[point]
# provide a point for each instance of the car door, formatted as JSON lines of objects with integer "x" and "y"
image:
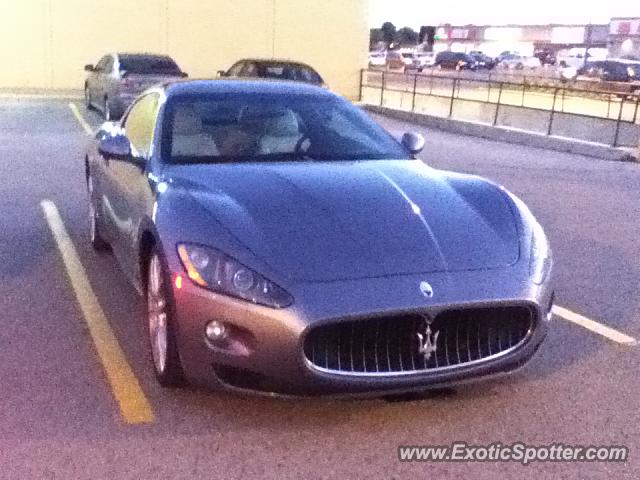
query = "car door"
{"x": 131, "y": 191}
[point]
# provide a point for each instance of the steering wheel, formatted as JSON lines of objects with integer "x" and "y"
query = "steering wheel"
{"x": 300, "y": 148}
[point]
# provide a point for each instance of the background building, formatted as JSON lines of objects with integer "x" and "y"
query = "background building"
{"x": 46, "y": 43}
{"x": 624, "y": 37}
{"x": 525, "y": 39}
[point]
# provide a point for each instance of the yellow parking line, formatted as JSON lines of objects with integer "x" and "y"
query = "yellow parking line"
{"x": 134, "y": 405}
{"x": 81, "y": 120}
{"x": 595, "y": 327}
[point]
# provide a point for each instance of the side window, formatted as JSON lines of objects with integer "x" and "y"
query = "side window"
{"x": 140, "y": 123}
{"x": 236, "y": 69}
{"x": 108, "y": 65}
{"x": 345, "y": 128}
{"x": 250, "y": 70}
{"x": 101, "y": 64}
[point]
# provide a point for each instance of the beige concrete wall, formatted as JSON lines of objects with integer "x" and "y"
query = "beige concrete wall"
{"x": 45, "y": 43}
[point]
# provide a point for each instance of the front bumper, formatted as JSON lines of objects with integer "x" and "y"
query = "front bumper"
{"x": 274, "y": 361}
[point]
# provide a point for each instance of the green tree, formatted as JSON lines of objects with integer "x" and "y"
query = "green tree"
{"x": 388, "y": 32}
{"x": 406, "y": 37}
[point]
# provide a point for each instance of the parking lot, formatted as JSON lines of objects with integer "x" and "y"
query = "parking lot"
{"x": 60, "y": 418}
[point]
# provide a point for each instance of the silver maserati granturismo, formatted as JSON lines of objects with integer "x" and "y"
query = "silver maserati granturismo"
{"x": 285, "y": 243}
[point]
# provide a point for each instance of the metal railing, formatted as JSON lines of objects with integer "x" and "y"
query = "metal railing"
{"x": 593, "y": 114}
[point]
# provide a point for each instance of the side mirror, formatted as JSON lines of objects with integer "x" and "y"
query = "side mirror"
{"x": 89, "y": 67}
{"x": 414, "y": 142}
{"x": 184, "y": 74}
{"x": 115, "y": 145}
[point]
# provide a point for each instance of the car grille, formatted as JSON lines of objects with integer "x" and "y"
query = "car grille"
{"x": 391, "y": 345}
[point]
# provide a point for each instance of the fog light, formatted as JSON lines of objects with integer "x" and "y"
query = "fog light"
{"x": 216, "y": 331}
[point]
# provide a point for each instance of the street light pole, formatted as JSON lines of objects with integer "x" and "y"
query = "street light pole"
{"x": 588, "y": 45}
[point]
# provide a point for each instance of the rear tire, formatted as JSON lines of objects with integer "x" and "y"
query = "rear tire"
{"x": 97, "y": 242}
{"x": 161, "y": 329}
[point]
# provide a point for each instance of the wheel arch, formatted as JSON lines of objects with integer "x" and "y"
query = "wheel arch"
{"x": 145, "y": 247}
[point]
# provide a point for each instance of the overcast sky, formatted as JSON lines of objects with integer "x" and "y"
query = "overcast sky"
{"x": 414, "y": 13}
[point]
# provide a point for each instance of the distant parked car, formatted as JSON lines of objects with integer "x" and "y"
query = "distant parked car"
{"x": 611, "y": 70}
{"x": 273, "y": 69}
{"x": 519, "y": 62}
{"x": 422, "y": 60}
{"x": 505, "y": 54}
{"x": 118, "y": 78}
{"x": 455, "y": 61}
{"x": 395, "y": 61}
{"x": 482, "y": 60}
{"x": 577, "y": 57}
{"x": 377, "y": 59}
{"x": 546, "y": 56}
{"x": 407, "y": 58}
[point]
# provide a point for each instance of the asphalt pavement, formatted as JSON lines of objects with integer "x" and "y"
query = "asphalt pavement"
{"x": 59, "y": 418}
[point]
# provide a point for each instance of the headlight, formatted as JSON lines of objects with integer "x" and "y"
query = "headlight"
{"x": 214, "y": 270}
{"x": 631, "y": 72}
{"x": 540, "y": 260}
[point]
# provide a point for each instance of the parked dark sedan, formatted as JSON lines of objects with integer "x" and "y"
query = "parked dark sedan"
{"x": 118, "y": 78}
{"x": 610, "y": 70}
{"x": 285, "y": 243}
{"x": 273, "y": 70}
{"x": 482, "y": 61}
{"x": 455, "y": 61}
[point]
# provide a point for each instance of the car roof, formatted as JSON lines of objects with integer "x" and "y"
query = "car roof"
{"x": 141, "y": 55}
{"x": 243, "y": 86}
{"x": 274, "y": 61}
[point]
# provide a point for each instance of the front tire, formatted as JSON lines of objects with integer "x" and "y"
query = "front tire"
{"x": 87, "y": 97}
{"x": 107, "y": 109}
{"x": 160, "y": 325}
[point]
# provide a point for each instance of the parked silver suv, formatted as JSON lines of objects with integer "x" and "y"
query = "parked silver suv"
{"x": 118, "y": 78}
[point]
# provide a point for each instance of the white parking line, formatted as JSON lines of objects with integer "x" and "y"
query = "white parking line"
{"x": 80, "y": 118}
{"x": 595, "y": 327}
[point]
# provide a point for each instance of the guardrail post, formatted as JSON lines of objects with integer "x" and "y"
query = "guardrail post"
{"x": 635, "y": 111}
{"x": 382, "y": 91}
{"x": 453, "y": 93}
{"x": 495, "y": 117}
{"x": 361, "y": 84}
{"x": 553, "y": 112}
{"x": 524, "y": 86}
{"x": 413, "y": 98}
{"x": 617, "y": 134}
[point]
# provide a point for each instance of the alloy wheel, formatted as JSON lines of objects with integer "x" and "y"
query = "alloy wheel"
{"x": 157, "y": 315}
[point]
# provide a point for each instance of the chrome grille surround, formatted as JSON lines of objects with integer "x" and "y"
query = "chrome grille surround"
{"x": 390, "y": 346}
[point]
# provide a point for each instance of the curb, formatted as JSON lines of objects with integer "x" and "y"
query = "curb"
{"x": 510, "y": 135}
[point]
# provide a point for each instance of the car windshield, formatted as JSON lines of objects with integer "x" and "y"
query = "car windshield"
{"x": 290, "y": 71}
{"x": 148, "y": 64}
{"x": 272, "y": 127}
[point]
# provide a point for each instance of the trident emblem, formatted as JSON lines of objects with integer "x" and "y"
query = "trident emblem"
{"x": 427, "y": 343}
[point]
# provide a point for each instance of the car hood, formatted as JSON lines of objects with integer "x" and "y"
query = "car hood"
{"x": 350, "y": 220}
